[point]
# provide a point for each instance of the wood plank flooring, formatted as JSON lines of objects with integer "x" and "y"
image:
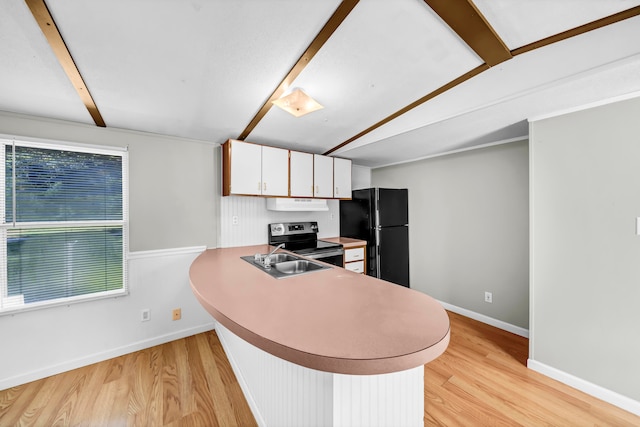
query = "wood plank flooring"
{"x": 481, "y": 380}
{"x": 187, "y": 382}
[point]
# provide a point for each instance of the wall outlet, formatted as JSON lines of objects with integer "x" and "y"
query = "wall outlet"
{"x": 145, "y": 315}
{"x": 488, "y": 297}
{"x": 176, "y": 314}
{"x": 235, "y": 220}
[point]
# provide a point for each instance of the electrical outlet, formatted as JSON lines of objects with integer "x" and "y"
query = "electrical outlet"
{"x": 177, "y": 314}
{"x": 235, "y": 220}
{"x": 145, "y": 315}
{"x": 488, "y": 297}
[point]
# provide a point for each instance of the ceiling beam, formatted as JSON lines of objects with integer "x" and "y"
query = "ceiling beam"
{"x": 463, "y": 78}
{"x": 332, "y": 24}
{"x": 44, "y": 19}
{"x": 594, "y": 25}
{"x": 490, "y": 49}
{"x": 465, "y": 19}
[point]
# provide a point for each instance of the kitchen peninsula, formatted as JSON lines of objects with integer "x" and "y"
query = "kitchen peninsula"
{"x": 329, "y": 347}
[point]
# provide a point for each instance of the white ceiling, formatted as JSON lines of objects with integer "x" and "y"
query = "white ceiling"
{"x": 202, "y": 69}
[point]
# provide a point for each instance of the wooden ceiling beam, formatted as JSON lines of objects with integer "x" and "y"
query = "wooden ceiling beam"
{"x": 463, "y": 78}
{"x": 492, "y": 53}
{"x": 465, "y": 19}
{"x": 594, "y": 25}
{"x": 471, "y": 26}
{"x": 332, "y": 24}
{"x": 43, "y": 17}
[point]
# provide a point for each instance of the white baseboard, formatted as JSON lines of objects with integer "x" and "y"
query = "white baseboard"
{"x": 486, "y": 319}
{"x": 594, "y": 390}
{"x": 102, "y": 356}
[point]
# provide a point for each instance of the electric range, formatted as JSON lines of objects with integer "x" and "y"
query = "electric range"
{"x": 302, "y": 238}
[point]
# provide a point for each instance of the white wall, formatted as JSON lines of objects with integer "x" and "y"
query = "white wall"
{"x": 173, "y": 207}
{"x": 360, "y": 177}
{"x": 585, "y": 253}
{"x": 172, "y": 181}
{"x": 468, "y": 230}
{"x": 40, "y": 343}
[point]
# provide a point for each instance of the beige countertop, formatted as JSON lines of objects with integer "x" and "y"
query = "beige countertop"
{"x": 331, "y": 320}
{"x": 346, "y": 242}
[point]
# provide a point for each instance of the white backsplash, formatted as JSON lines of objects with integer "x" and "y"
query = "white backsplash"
{"x": 253, "y": 218}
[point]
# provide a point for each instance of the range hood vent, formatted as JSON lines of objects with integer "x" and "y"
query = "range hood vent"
{"x": 296, "y": 205}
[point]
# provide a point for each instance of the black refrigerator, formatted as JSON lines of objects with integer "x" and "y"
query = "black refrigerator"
{"x": 381, "y": 217}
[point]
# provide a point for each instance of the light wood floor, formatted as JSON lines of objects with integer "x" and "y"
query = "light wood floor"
{"x": 481, "y": 380}
{"x": 187, "y": 382}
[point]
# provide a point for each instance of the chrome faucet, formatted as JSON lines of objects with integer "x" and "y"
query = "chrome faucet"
{"x": 267, "y": 259}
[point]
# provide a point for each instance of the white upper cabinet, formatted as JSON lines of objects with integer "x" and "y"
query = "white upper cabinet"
{"x": 242, "y": 165}
{"x": 252, "y": 169}
{"x": 322, "y": 176}
{"x": 341, "y": 178}
{"x": 301, "y": 173}
{"x": 275, "y": 172}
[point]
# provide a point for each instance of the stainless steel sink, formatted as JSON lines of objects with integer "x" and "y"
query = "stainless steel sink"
{"x": 276, "y": 258}
{"x": 284, "y": 265}
{"x": 298, "y": 266}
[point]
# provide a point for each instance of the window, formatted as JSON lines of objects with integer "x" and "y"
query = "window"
{"x": 63, "y": 228}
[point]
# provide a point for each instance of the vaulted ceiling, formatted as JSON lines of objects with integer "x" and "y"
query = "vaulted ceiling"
{"x": 399, "y": 80}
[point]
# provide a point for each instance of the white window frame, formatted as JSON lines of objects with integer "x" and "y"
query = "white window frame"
{"x": 122, "y": 152}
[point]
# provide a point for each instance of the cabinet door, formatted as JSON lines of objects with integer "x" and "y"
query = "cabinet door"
{"x": 322, "y": 176}
{"x": 245, "y": 168}
{"x": 301, "y": 178}
{"x": 275, "y": 172}
{"x": 341, "y": 178}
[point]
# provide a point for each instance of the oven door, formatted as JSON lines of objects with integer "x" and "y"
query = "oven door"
{"x": 334, "y": 257}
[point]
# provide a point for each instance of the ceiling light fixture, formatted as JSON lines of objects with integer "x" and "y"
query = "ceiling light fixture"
{"x": 297, "y": 103}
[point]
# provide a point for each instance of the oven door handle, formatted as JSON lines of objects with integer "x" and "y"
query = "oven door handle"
{"x": 325, "y": 254}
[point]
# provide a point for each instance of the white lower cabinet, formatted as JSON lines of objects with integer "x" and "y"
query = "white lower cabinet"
{"x": 356, "y": 267}
{"x": 354, "y": 259}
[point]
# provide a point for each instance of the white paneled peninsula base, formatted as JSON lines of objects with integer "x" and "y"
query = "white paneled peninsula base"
{"x": 327, "y": 348}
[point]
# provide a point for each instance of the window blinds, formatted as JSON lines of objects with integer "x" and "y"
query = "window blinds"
{"x": 63, "y": 236}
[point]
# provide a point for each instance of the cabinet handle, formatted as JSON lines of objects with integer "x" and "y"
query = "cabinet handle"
{"x": 259, "y": 185}
{"x": 264, "y": 186}
{"x": 317, "y": 189}
{"x": 336, "y": 190}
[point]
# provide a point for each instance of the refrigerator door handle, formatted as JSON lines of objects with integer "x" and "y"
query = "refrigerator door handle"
{"x": 377, "y": 251}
